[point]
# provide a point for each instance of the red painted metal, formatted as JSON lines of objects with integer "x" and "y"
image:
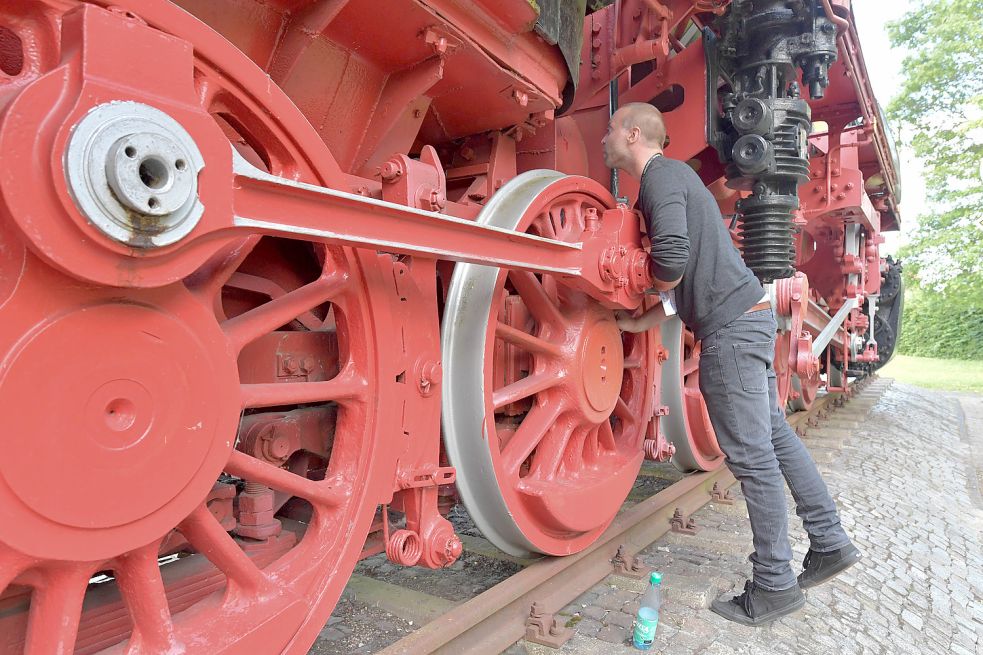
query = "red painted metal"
{"x": 566, "y": 464}
{"x": 150, "y": 382}
{"x": 244, "y": 400}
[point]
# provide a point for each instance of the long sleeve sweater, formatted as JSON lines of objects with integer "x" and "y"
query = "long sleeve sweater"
{"x": 690, "y": 241}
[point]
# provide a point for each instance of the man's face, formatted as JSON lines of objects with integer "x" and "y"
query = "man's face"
{"x": 615, "y": 142}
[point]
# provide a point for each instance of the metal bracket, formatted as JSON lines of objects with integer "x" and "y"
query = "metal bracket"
{"x": 683, "y": 524}
{"x": 544, "y": 628}
{"x": 628, "y": 566}
{"x": 721, "y": 496}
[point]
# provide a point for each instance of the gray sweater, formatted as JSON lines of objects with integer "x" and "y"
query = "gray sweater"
{"x": 690, "y": 241}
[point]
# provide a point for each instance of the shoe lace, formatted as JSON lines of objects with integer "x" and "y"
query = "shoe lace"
{"x": 744, "y": 600}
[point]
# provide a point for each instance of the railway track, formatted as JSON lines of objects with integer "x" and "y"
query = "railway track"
{"x": 496, "y": 618}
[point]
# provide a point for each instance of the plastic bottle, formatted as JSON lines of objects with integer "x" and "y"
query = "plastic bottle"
{"x": 647, "y": 619}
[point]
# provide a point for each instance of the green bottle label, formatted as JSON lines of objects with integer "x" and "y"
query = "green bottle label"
{"x": 645, "y": 628}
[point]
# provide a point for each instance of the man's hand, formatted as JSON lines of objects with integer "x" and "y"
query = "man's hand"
{"x": 627, "y": 322}
{"x": 647, "y": 321}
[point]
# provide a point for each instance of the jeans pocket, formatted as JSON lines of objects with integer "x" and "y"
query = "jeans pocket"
{"x": 753, "y": 360}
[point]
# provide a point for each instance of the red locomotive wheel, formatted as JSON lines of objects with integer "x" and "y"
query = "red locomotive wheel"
{"x": 783, "y": 371}
{"x": 126, "y": 410}
{"x": 803, "y": 392}
{"x": 540, "y": 386}
{"x": 687, "y": 425}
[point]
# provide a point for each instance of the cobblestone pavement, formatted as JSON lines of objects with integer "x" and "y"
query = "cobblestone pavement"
{"x": 905, "y": 466}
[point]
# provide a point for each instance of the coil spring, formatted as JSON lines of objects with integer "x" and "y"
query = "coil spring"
{"x": 404, "y": 547}
{"x": 766, "y": 235}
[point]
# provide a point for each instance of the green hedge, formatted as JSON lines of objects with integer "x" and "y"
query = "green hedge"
{"x": 935, "y": 326}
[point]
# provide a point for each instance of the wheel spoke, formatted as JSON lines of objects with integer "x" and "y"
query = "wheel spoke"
{"x": 262, "y": 320}
{"x": 524, "y": 388}
{"x": 691, "y": 365}
{"x": 623, "y": 412}
{"x": 272, "y": 290}
{"x": 605, "y": 437}
{"x": 205, "y": 533}
{"x": 551, "y": 449}
{"x": 12, "y": 564}
{"x": 634, "y": 361}
{"x": 207, "y": 282}
{"x": 56, "y": 608}
{"x": 528, "y": 342}
{"x": 545, "y": 224}
{"x": 140, "y": 584}
{"x": 534, "y": 427}
{"x": 343, "y": 387}
{"x": 576, "y": 453}
{"x": 320, "y": 493}
{"x": 537, "y": 301}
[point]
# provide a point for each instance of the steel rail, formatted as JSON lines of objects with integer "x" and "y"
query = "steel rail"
{"x": 495, "y": 619}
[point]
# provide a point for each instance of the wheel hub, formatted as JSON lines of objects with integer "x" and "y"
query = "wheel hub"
{"x": 117, "y": 401}
{"x": 601, "y": 367}
{"x": 133, "y": 172}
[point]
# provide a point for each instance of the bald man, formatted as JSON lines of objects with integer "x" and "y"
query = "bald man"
{"x": 720, "y": 299}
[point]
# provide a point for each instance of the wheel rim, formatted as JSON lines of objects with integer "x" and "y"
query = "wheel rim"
{"x": 160, "y": 404}
{"x": 564, "y": 442}
{"x": 783, "y": 372}
{"x": 803, "y": 393}
{"x": 687, "y": 425}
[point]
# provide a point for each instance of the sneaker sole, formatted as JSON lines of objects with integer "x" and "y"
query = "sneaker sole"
{"x": 841, "y": 566}
{"x": 764, "y": 618}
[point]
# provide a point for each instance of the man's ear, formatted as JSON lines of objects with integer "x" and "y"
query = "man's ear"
{"x": 634, "y": 134}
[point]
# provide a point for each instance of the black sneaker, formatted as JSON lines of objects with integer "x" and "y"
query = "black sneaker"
{"x": 820, "y": 567}
{"x": 758, "y": 606}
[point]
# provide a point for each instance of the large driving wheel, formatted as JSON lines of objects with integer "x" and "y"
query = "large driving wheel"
{"x": 545, "y": 401}
{"x": 127, "y": 408}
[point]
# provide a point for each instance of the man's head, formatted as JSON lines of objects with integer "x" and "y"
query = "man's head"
{"x": 635, "y": 133}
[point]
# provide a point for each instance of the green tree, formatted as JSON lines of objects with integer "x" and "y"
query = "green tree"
{"x": 939, "y": 113}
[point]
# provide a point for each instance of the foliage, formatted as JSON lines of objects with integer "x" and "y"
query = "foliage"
{"x": 937, "y": 325}
{"x": 940, "y": 110}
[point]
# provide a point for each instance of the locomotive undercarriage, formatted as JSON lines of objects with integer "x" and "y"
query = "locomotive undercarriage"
{"x": 251, "y": 273}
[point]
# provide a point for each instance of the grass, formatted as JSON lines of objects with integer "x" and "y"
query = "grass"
{"x": 948, "y": 374}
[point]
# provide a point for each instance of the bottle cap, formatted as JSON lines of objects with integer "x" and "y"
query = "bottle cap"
{"x": 655, "y": 578}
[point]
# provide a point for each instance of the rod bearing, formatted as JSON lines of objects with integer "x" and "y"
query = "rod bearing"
{"x": 132, "y": 171}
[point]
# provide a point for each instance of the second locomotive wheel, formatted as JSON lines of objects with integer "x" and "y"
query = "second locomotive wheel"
{"x": 545, "y": 401}
{"x": 687, "y": 425}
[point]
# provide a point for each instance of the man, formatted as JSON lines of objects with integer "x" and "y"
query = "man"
{"x": 720, "y": 299}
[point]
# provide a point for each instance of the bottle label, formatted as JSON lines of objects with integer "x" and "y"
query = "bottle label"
{"x": 645, "y": 629}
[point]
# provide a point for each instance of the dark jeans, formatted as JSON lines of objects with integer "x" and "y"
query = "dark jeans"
{"x": 738, "y": 382}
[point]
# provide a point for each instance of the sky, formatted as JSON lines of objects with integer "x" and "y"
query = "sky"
{"x": 884, "y": 68}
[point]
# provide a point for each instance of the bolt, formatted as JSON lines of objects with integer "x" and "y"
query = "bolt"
{"x": 521, "y": 97}
{"x": 391, "y": 170}
{"x": 290, "y": 365}
{"x": 437, "y": 199}
{"x": 307, "y": 364}
{"x": 452, "y": 549}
